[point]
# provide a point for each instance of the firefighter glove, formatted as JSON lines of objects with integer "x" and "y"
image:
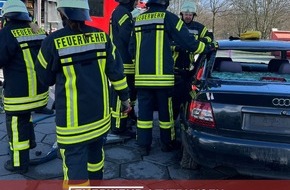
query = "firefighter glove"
{"x": 210, "y": 48}
{"x": 125, "y": 107}
{"x": 204, "y": 40}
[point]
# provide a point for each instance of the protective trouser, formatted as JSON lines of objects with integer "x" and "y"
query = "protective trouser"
{"x": 147, "y": 98}
{"x": 83, "y": 162}
{"x": 119, "y": 121}
{"x": 20, "y": 130}
{"x": 182, "y": 87}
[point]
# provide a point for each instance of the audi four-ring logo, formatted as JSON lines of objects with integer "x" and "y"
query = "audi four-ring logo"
{"x": 281, "y": 102}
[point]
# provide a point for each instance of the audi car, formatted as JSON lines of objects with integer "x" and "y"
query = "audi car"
{"x": 239, "y": 112}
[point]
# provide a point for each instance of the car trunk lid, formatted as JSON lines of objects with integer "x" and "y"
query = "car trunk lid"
{"x": 250, "y": 109}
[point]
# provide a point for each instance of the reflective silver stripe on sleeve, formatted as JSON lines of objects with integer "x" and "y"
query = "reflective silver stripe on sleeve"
{"x": 79, "y": 49}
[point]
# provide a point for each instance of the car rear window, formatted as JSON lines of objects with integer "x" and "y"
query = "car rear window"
{"x": 251, "y": 66}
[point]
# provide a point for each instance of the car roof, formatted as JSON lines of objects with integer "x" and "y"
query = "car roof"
{"x": 254, "y": 45}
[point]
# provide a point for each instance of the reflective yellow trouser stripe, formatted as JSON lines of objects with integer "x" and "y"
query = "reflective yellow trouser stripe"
{"x": 15, "y": 145}
{"x": 65, "y": 184}
{"x": 144, "y": 124}
{"x": 16, "y": 156}
{"x": 97, "y": 166}
{"x": 171, "y": 119}
{"x": 169, "y": 124}
{"x": 64, "y": 167}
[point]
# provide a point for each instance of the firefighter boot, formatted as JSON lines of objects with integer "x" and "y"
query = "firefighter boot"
{"x": 23, "y": 159}
{"x": 144, "y": 150}
{"x": 20, "y": 170}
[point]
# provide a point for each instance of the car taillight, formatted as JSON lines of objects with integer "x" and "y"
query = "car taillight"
{"x": 200, "y": 113}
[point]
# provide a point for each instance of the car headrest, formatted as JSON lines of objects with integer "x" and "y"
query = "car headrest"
{"x": 274, "y": 64}
{"x": 229, "y": 66}
{"x": 218, "y": 61}
{"x": 284, "y": 68}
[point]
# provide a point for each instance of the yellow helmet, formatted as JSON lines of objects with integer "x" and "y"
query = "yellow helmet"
{"x": 15, "y": 10}
{"x": 77, "y": 10}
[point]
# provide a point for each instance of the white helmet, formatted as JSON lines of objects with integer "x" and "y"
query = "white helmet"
{"x": 77, "y": 10}
{"x": 15, "y": 10}
{"x": 188, "y": 7}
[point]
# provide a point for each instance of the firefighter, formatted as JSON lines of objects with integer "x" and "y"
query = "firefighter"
{"x": 187, "y": 13}
{"x": 121, "y": 25}
{"x": 184, "y": 60}
{"x": 23, "y": 93}
{"x": 34, "y": 26}
{"x": 154, "y": 78}
{"x": 31, "y": 23}
{"x": 80, "y": 61}
{"x": 139, "y": 8}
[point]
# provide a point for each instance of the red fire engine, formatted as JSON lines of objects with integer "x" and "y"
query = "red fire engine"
{"x": 100, "y": 11}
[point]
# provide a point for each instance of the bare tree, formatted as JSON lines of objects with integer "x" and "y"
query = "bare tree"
{"x": 232, "y": 17}
{"x": 261, "y": 15}
{"x": 216, "y": 7}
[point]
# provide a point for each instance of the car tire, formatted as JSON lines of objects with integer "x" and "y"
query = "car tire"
{"x": 187, "y": 162}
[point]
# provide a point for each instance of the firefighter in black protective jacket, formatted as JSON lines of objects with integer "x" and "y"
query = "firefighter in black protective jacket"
{"x": 150, "y": 45}
{"x": 23, "y": 93}
{"x": 80, "y": 60}
{"x": 121, "y": 26}
{"x": 34, "y": 26}
{"x": 184, "y": 60}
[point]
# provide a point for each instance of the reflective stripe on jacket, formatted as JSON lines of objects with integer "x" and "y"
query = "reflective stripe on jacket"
{"x": 199, "y": 31}
{"x": 151, "y": 46}
{"x": 121, "y": 26}
{"x": 81, "y": 64}
{"x": 184, "y": 59}
{"x": 19, "y": 48}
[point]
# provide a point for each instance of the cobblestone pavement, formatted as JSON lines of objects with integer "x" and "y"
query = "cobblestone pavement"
{"x": 122, "y": 159}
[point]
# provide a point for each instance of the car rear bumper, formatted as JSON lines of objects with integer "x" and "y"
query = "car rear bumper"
{"x": 248, "y": 157}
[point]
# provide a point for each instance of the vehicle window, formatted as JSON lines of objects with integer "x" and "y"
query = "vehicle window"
{"x": 251, "y": 66}
{"x": 246, "y": 56}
